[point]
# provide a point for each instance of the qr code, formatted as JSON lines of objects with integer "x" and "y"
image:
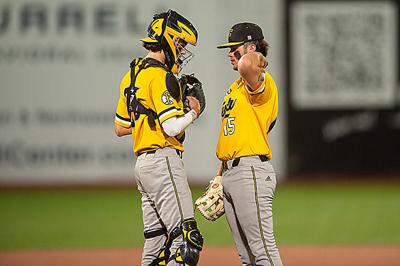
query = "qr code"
{"x": 344, "y": 55}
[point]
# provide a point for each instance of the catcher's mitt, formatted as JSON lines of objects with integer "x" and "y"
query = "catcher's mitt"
{"x": 191, "y": 86}
{"x": 211, "y": 204}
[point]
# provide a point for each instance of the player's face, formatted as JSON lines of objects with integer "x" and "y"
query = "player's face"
{"x": 235, "y": 53}
{"x": 182, "y": 53}
{"x": 180, "y": 45}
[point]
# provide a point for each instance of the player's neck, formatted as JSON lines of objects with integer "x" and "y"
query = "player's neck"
{"x": 159, "y": 56}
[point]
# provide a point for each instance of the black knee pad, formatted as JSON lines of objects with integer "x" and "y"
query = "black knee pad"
{"x": 189, "y": 252}
{"x": 190, "y": 255}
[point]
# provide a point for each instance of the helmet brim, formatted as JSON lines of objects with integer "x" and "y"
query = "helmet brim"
{"x": 229, "y": 44}
{"x": 149, "y": 40}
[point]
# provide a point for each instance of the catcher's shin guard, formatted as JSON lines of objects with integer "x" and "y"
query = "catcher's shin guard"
{"x": 164, "y": 255}
{"x": 189, "y": 252}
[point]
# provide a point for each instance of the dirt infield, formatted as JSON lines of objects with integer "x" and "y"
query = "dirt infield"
{"x": 211, "y": 256}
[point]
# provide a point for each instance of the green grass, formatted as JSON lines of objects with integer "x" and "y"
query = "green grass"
{"x": 57, "y": 219}
{"x": 303, "y": 214}
{"x": 353, "y": 214}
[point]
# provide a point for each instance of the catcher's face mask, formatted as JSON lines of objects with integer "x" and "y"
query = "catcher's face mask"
{"x": 183, "y": 54}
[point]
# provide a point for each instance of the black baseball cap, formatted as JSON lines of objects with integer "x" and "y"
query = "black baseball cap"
{"x": 243, "y": 32}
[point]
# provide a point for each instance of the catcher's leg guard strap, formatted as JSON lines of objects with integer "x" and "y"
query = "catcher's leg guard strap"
{"x": 154, "y": 233}
{"x": 164, "y": 255}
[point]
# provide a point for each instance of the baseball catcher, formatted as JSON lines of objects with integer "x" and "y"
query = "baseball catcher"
{"x": 151, "y": 109}
{"x": 211, "y": 204}
{"x": 191, "y": 86}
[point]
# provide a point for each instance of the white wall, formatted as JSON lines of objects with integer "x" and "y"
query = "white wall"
{"x": 59, "y": 86}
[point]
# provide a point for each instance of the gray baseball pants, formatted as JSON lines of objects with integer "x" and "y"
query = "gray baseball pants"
{"x": 166, "y": 199}
{"x": 249, "y": 189}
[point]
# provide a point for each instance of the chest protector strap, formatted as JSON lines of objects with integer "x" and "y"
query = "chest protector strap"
{"x": 132, "y": 103}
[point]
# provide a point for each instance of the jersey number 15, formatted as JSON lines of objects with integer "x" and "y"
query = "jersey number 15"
{"x": 229, "y": 127}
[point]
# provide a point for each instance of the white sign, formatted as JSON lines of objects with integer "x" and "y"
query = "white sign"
{"x": 61, "y": 62}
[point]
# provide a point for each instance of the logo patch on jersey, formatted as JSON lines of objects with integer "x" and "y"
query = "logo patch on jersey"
{"x": 227, "y": 106}
{"x": 166, "y": 98}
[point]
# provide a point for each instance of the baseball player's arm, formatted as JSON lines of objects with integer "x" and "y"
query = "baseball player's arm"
{"x": 251, "y": 69}
{"x": 176, "y": 125}
{"x": 220, "y": 168}
{"x": 122, "y": 131}
{"x": 122, "y": 120}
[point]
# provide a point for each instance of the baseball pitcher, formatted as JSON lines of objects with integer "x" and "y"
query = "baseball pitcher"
{"x": 248, "y": 114}
{"x": 156, "y": 108}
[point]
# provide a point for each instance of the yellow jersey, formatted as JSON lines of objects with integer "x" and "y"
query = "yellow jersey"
{"x": 247, "y": 118}
{"x": 154, "y": 95}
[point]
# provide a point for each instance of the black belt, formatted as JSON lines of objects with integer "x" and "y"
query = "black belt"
{"x": 180, "y": 153}
{"x": 263, "y": 158}
{"x": 148, "y": 152}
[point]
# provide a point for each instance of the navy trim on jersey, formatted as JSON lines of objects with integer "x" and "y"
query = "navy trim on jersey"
{"x": 271, "y": 126}
{"x": 123, "y": 118}
{"x": 166, "y": 110}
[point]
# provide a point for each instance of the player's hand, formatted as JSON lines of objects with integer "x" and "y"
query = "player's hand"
{"x": 193, "y": 104}
{"x": 253, "y": 60}
{"x": 262, "y": 61}
{"x": 251, "y": 68}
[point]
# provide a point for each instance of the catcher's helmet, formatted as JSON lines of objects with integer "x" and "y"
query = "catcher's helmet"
{"x": 172, "y": 31}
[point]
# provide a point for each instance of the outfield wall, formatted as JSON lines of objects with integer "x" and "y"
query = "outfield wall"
{"x": 60, "y": 67}
{"x": 336, "y": 65}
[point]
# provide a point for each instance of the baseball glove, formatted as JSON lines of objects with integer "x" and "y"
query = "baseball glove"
{"x": 211, "y": 204}
{"x": 191, "y": 86}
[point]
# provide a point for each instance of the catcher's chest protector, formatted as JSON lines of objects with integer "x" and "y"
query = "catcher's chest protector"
{"x": 133, "y": 105}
